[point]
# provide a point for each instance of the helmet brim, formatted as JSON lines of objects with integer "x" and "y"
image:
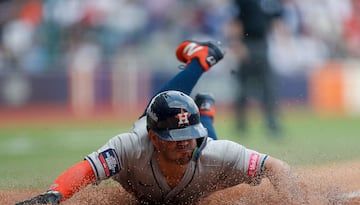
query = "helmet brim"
{"x": 187, "y": 133}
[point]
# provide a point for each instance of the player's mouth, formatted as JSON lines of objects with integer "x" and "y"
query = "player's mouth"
{"x": 184, "y": 149}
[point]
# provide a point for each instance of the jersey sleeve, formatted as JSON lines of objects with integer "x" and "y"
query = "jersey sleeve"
{"x": 244, "y": 163}
{"x": 108, "y": 160}
{"x": 113, "y": 157}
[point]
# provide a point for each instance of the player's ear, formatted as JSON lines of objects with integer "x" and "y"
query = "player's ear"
{"x": 153, "y": 138}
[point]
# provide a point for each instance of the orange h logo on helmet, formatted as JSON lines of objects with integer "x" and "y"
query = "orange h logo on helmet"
{"x": 183, "y": 118}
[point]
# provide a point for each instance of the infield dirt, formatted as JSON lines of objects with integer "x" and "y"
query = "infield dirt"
{"x": 326, "y": 183}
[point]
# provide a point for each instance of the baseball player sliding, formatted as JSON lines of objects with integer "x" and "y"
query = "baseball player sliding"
{"x": 170, "y": 156}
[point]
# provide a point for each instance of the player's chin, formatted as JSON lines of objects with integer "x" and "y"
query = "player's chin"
{"x": 184, "y": 158}
{"x": 183, "y": 161}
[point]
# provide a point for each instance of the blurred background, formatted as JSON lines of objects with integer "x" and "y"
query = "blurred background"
{"x": 74, "y": 73}
{"x": 114, "y": 54}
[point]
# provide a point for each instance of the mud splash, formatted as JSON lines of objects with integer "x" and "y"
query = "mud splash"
{"x": 335, "y": 184}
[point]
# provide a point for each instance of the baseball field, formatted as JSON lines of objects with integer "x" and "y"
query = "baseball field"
{"x": 324, "y": 152}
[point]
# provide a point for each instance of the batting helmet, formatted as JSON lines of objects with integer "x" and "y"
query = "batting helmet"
{"x": 174, "y": 116}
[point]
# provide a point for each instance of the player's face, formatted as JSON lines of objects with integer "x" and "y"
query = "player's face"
{"x": 179, "y": 152}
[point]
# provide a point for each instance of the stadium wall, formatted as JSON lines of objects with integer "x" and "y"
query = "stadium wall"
{"x": 330, "y": 88}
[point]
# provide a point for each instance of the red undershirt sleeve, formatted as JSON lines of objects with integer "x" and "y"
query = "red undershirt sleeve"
{"x": 74, "y": 179}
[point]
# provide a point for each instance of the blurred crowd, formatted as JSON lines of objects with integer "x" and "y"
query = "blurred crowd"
{"x": 55, "y": 35}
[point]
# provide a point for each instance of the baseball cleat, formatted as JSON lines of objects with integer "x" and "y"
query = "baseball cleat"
{"x": 206, "y": 104}
{"x": 208, "y": 53}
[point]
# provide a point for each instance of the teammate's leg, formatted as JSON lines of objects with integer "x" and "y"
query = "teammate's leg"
{"x": 243, "y": 89}
{"x": 266, "y": 84}
{"x": 268, "y": 101}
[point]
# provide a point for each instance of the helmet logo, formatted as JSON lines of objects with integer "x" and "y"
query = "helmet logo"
{"x": 183, "y": 118}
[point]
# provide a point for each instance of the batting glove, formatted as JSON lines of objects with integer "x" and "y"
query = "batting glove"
{"x": 49, "y": 197}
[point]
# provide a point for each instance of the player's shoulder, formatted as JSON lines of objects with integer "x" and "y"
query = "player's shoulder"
{"x": 220, "y": 150}
{"x": 139, "y": 127}
{"x": 221, "y": 145}
{"x": 135, "y": 139}
{"x": 137, "y": 132}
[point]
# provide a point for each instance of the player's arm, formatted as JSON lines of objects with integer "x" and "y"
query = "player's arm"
{"x": 98, "y": 166}
{"x": 285, "y": 181}
{"x": 65, "y": 185}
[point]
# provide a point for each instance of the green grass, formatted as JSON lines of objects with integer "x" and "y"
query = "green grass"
{"x": 33, "y": 155}
{"x": 307, "y": 139}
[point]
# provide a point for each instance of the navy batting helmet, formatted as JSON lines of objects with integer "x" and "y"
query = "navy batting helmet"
{"x": 174, "y": 116}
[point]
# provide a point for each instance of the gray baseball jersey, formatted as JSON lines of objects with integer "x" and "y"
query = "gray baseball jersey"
{"x": 128, "y": 158}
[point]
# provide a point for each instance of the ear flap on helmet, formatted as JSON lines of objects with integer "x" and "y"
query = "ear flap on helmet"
{"x": 201, "y": 143}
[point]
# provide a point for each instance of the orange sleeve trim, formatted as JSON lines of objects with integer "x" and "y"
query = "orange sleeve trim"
{"x": 73, "y": 179}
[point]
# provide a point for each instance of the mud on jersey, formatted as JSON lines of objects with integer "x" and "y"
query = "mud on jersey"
{"x": 128, "y": 158}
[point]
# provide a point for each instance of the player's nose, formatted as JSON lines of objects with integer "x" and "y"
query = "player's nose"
{"x": 183, "y": 142}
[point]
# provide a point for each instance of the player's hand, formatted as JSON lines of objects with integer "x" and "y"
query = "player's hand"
{"x": 50, "y": 197}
